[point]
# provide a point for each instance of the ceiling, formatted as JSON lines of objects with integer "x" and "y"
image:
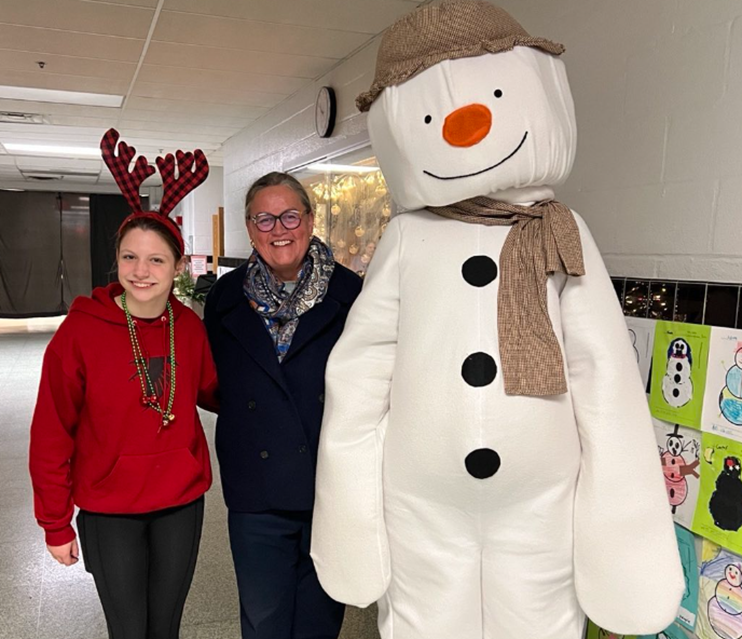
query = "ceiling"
{"x": 192, "y": 72}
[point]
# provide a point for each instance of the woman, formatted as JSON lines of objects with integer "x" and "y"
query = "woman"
{"x": 116, "y": 432}
{"x": 272, "y": 323}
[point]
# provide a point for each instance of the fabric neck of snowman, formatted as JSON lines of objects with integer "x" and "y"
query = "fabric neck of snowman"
{"x": 544, "y": 239}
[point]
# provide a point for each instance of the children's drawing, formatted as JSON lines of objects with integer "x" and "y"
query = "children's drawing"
{"x": 679, "y": 364}
{"x": 679, "y": 449}
{"x": 673, "y": 632}
{"x": 722, "y": 406}
{"x": 677, "y": 385}
{"x": 720, "y": 594}
{"x": 641, "y": 333}
{"x": 725, "y": 504}
{"x": 596, "y": 632}
{"x": 689, "y": 604}
{"x": 718, "y": 514}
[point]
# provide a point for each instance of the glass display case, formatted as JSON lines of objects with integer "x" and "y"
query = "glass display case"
{"x": 352, "y": 205}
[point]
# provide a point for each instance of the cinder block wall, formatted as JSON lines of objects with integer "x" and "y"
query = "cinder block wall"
{"x": 658, "y": 91}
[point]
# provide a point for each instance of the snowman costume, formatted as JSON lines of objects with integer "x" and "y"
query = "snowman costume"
{"x": 468, "y": 512}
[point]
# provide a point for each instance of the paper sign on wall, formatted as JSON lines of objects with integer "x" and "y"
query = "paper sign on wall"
{"x": 199, "y": 265}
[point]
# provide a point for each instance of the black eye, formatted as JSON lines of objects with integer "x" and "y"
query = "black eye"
{"x": 428, "y": 119}
{"x": 498, "y": 93}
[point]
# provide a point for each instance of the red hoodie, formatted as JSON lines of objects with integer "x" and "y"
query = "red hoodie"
{"x": 93, "y": 442}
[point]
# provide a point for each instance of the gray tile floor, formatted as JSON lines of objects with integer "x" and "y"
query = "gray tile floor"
{"x": 40, "y": 599}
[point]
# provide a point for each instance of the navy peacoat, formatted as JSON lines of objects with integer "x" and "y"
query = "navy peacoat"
{"x": 270, "y": 413}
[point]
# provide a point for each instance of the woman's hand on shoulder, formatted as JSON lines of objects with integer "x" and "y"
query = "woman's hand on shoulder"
{"x": 66, "y": 554}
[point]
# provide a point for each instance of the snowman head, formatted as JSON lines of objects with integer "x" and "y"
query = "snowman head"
{"x": 493, "y": 118}
{"x": 733, "y": 574}
{"x": 675, "y": 444}
{"x": 679, "y": 349}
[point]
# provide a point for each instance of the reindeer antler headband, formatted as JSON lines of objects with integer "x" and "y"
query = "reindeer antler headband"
{"x": 193, "y": 168}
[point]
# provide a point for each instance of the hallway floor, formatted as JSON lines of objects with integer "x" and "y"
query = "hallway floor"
{"x": 41, "y": 599}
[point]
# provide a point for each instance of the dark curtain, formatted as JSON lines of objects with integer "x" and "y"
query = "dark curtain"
{"x": 44, "y": 252}
{"x": 106, "y": 214}
{"x": 31, "y": 264}
{"x": 75, "y": 246}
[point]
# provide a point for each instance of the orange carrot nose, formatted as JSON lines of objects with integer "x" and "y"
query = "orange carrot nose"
{"x": 468, "y": 125}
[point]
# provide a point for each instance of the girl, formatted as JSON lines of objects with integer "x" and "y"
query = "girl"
{"x": 116, "y": 431}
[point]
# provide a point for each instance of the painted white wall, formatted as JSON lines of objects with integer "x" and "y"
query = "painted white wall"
{"x": 197, "y": 208}
{"x": 658, "y": 93}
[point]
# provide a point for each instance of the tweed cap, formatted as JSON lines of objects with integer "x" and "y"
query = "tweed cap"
{"x": 453, "y": 29}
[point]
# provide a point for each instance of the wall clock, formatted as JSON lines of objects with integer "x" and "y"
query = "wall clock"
{"x": 325, "y": 110}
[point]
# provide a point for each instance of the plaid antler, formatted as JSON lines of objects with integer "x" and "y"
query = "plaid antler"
{"x": 189, "y": 176}
{"x": 128, "y": 182}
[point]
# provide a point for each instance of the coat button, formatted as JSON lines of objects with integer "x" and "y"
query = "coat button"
{"x": 321, "y": 398}
{"x": 251, "y": 405}
{"x": 264, "y": 454}
{"x": 302, "y": 449}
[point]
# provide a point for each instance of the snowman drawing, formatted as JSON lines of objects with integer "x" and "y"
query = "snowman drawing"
{"x": 725, "y": 504}
{"x": 677, "y": 385}
{"x": 487, "y": 326}
{"x": 730, "y": 398}
{"x": 676, "y": 468}
{"x": 725, "y": 607}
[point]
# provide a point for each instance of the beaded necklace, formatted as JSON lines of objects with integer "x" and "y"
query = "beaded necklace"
{"x": 150, "y": 400}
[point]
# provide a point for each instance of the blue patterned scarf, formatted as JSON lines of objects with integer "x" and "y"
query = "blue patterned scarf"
{"x": 279, "y": 308}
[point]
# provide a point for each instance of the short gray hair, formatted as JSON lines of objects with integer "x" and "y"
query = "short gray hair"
{"x": 276, "y": 178}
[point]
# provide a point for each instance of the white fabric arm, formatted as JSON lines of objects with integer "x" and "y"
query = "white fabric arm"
{"x": 628, "y": 575}
{"x": 349, "y": 542}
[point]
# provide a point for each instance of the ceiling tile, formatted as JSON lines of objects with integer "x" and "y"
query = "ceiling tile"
{"x": 203, "y": 57}
{"x": 38, "y": 40}
{"x": 193, "y": 106}
{"x": 66, "y": 65}
{"x": 255, "y": 36}
{"x": 361, "y": 17}
{"x": 178, "y": 92}
{"x": 179, "y": 119}
{"x": 77, "y": 15}
{"x": 134, "y": 3}
{"x": 63, "y": 82}
{"x": 50, "y": 108}
{"x": 205, "y": 128}
{"x": 173, "y": 138}
{"x": 203, "y": 81}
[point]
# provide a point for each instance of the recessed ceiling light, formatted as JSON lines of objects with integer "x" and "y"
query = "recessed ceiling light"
{"x": 60, "y": 97}
{"x": 49, "y": 149}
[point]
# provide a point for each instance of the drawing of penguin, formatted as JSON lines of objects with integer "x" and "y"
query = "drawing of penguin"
{"x": 730, "y": 398}
{"x": 677, "y": 386}
{"x": 725, "y": 504}
{"x": 676, "y": 469}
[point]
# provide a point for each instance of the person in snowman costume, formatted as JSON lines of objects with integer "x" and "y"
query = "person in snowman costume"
{"x": 487, "y": 465}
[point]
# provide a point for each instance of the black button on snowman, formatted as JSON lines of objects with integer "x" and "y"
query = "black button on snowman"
{"x": 480, "y": 369}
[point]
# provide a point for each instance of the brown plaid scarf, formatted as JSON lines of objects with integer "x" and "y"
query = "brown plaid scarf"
{"x": 544, "y": 240}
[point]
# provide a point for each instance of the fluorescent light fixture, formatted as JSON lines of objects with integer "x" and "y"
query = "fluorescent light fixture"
{"x": 14, "y": 190}
{"x": 340, "y": 168}
{"x": 50, "y": 149}
{"x": 60, "y": 97}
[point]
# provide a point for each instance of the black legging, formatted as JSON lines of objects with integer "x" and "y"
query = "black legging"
{"x": 143, "y": 567}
